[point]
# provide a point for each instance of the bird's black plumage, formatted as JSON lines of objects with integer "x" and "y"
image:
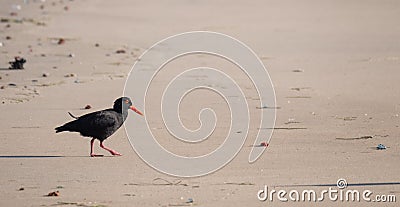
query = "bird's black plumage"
{"x": 100, "y": 124}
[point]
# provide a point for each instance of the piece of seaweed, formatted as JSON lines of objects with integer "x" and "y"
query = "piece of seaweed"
{"x": 17, "y": 64}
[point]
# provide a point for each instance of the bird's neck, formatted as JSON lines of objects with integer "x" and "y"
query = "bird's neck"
{"x": 120, "y": 110}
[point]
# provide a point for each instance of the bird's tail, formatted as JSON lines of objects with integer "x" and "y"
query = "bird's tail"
{"x": 61, "y": 129}
{"x": 68, "y": 126}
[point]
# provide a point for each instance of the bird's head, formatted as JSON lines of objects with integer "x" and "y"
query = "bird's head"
{"x": 123, "y": 104}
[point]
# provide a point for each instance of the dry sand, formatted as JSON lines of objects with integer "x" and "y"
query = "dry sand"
{"x": 347, "y": 52}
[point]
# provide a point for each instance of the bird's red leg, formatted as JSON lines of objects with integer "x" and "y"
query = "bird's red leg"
{"x": 108, "y": 149}
{"x": 91, "y": 149}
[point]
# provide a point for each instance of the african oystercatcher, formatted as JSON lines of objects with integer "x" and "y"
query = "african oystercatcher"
{"x": 101, "y": 124}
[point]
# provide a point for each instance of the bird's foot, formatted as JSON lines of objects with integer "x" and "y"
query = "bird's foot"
{"x": 96, "y": 155}
{"x": 115, "y": 153}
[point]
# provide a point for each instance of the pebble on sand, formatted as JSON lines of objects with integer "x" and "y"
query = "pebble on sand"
{"x": 61, "y": 41}
{"x": 298, "y": 70}
{"x": 120, "y": 51}
{"x": 381, "y": 147}
{"x": 54, "y": 193}
{"x": 70, "y": 75}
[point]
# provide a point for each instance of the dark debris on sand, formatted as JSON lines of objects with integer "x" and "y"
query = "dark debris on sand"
{"x": 17, "y": 64}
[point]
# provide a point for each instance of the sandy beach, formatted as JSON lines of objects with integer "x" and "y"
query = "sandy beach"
{"x": 334, "y": 66}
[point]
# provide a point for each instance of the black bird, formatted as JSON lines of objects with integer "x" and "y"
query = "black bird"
{"x": 101, "y": 124}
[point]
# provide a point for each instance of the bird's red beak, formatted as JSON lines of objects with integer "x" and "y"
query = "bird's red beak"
{"x": 135, "y": 110}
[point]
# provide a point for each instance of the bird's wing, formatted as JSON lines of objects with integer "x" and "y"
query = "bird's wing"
{"x": 98, "y": 120}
